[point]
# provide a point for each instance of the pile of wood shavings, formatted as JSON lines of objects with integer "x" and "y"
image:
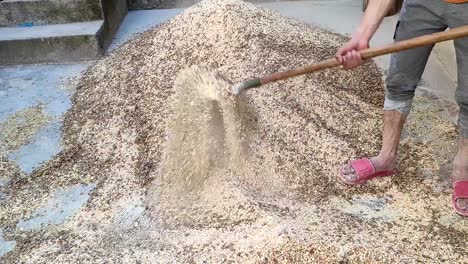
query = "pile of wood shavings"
{"x": 284, "y": 205}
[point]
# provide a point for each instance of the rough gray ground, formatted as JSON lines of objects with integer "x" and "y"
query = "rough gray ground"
{"x": 285, "y": 205}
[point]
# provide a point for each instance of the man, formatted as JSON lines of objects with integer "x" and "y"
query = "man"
{"x": 418, "y": 17}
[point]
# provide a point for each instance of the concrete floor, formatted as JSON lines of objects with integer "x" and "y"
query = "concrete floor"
{"x": 26, "y": 86}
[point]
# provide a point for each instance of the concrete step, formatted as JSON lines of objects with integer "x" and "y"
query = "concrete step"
{"x": 43, "y": 12}
{"x": 52, "y": 43}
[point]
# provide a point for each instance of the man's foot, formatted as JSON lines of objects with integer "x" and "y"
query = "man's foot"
{"x": 349, "y": 174}
{"x": 460, "y": 173}
{"x": 362, "y": 170}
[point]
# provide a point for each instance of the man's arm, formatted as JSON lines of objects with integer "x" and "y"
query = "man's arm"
{"x": 349, "y": 55}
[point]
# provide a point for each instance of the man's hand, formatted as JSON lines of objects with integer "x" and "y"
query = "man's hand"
{"x": 349, "y": 55}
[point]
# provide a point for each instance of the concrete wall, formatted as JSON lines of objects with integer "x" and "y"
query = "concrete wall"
{"x": 62, "y": 39}
{"x": 47, "y": 50}
{"x": 49, "y": 11}
{"x": 114, "y": 11}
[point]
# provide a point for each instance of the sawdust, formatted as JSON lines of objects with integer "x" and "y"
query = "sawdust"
{"x": 200, "y": 119}
{"x": 19, "y": 128}
{"x": 9, "y": 169}
{"x": 16, "y": 131}
{"x": 283, "y": 204}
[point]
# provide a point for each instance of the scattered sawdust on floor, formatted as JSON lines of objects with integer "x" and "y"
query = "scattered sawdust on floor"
{"x": 285, "y": 205}
{"x": 70, "y": 84}
{"x": 16, "y": 131}
{"x": 9, "y": 169}
{"x": 428, "y": 124}
{"x": 19, "y": 128}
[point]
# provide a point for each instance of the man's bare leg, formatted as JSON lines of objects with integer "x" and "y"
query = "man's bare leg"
{"x": 386, "y": 160}
{"x": 460, "y": 169}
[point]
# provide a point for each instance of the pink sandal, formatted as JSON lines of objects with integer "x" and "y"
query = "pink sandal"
{"x": 460, "y": 191}
{"x": 365, "y": 171}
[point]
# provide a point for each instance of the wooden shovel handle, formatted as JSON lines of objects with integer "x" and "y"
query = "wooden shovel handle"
{"x": 455, "y": 33}
{"x": 459, "y": 32}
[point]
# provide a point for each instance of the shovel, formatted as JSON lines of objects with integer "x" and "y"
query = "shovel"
{"x": 451, "y": 34}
